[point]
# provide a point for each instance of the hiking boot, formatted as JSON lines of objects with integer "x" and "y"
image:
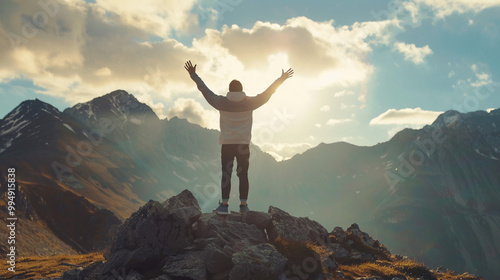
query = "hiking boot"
{"x": 244, "y": 208}
{"x": 223, "y": 209}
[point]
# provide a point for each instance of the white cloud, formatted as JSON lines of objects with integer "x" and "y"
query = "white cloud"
{"x": 187, "y": 108}
{"x": 153, "y": 16}
{"x": 343, "y": 93}
{"x": 335, "y": 56}
{"x": 482, "y": 77}
{"x": 443, "y": 8}
{"x": 284, "y": 151}
{"x": 84, "y": 51}
{"x": 412, "y": 52}
{"x": 479, "y": 78}
{"x": 482, "y": 80}
{"x": 338, "y": 121}
{"x": 327, "y": 48}
{"x": 158, "y": 107}
{"x": 406, "y": 116}
{"x": 325, "y": 108}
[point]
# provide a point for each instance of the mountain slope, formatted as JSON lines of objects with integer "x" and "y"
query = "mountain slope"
{"x": 61, "y": 196}
{"x": 431, "y": 193}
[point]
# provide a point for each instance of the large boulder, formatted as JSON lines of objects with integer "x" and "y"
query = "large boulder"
{"x": 363, "y": 244}
{"x": 261, "y": 220}
{"x": 338, "y": 235}
{"x": 156, "y": 230}
{"x": 217, "y": 259}
{"x": 257, "y": 262}
{"x": 236, "y": 235}
{"x": 184, "y": 199}
{"x": 285, "y": 226}
{"x": 337, "y": 251}
{"x": 355, "y": 246}
{"x": 189, "y": 265}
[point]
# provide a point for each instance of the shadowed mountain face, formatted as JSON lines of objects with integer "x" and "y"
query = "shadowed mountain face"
{"x": 432, "y": 193}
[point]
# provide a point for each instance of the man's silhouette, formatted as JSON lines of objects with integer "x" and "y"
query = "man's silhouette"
{"x": 235, "y": 130}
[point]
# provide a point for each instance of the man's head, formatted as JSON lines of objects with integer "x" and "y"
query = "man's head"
{"x": 235, "y": 85}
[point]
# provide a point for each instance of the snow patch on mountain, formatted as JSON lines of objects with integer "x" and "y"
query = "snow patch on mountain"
{"x": 69, "y": 127}
{"x": 52, "y": 113}
{"x": 86, "y": 108}
{"x": 14, "y": 126}
{"x": 13, "y": 115}
{"x": 7, "y": 145}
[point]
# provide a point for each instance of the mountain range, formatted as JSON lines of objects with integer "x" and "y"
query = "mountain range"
{"x": 432, "y": 193}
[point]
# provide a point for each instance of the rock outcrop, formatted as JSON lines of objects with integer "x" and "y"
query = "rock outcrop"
{"x": 175, "y": 240}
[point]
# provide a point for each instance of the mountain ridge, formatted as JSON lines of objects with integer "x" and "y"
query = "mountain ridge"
{"x": 453, "y": 192}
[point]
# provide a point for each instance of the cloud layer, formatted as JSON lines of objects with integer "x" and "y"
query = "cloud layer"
{"x": 77, "y": 50}
{"x": 406, "y": 116}
{"x": 443, "y": 8}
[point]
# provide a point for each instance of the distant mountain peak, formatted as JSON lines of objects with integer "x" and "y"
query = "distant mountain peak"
{"x": 116, "y": 104}
{"x": 121, "y": 98}
{"x": 25, "y": 113}
{"x": 17, "y": 122}
{"x": 119, "y": 92}
{"x": 451, "y": 118}
{"x": 447, "y": 118}
{"x": 31, "y": 108}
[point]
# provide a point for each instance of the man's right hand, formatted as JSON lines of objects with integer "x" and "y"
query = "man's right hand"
{"x": 287, "y": 74}
{"x": 189, "y": 67}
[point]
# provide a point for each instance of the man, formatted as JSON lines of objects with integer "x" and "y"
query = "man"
{"x": 235, "y": 130}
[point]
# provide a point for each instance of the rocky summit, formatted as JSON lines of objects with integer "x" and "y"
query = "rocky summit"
{"x": 175, "y": 240}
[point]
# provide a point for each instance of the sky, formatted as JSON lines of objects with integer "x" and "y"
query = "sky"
{"x": 364, "y": 69}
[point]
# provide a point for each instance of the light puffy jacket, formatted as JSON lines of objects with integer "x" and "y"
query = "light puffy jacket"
{"x": 235, "y": 110}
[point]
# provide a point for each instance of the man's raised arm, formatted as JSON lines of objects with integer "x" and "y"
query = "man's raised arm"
{"x": 262, "y": 98}
{"x": 211, "y": 97}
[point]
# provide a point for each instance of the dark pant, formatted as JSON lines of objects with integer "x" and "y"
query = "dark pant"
{"x": 242, "y": 154}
